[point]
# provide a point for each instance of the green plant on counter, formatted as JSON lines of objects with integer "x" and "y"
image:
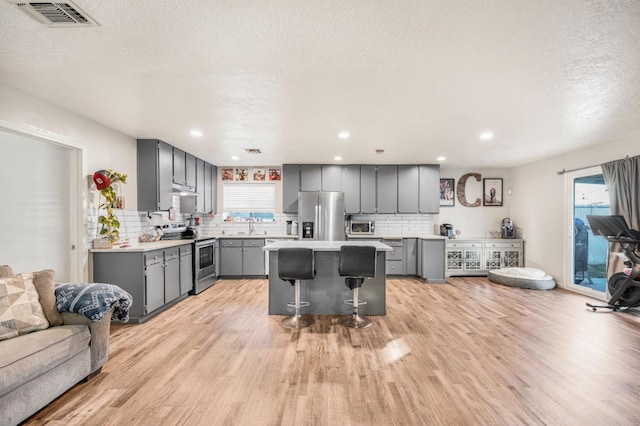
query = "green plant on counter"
{"x": 109, "y": 222}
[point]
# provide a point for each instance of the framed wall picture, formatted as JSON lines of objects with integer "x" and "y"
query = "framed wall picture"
{"x": 227, "y": 174}
{"x": 492, "y": 189}
{"x": 258, "y": 174}
{"x": 447, "y": 193}
{"x": 274, "y": 174}
{"x": 242, "y": 174}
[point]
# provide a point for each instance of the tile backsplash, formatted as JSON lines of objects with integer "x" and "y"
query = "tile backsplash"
{"x": 134, "y": 223}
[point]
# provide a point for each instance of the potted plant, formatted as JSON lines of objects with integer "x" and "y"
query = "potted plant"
{"x": 109, "y": 223}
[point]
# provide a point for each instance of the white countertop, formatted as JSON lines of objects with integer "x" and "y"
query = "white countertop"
{"x": 324, "y": 245}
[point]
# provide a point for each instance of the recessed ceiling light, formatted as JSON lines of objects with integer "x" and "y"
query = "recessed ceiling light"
{"x": 235, "y": 158}
{"x": 344, "y": 135}
{"x": 486, "y": 136}
{"x": 441, "y": 158}
{"x": 337, "y": 158}
{"x": 196, "y": 133}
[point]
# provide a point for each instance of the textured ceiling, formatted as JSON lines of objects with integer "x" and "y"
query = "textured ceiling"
{"x": 416, "y": 78}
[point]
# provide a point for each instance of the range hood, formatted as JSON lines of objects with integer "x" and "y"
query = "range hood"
{"x": 183, "y": 190}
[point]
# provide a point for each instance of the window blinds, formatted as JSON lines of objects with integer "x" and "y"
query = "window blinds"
{"x": 247, "y": 197}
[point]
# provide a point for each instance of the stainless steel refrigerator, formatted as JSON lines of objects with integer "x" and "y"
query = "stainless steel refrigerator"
{"x": 321, "y": 216}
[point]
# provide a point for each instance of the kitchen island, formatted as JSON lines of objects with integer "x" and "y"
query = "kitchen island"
{"x": 327, "y": 291}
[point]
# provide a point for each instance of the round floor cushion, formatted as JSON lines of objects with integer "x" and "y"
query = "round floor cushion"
{"x": 531, "y": 278}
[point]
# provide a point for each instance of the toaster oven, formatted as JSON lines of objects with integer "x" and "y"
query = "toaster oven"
{"x": 367, "y": 227}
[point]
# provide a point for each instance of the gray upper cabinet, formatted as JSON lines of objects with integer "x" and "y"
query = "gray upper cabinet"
{"x": 214, "y": 188}
{"x": 332, "y": 178}
{"x": 155, "y": 175}
{"x": 200, "y": 185}
{"x": 351, "y": 188}
{"x": 387, "y": 189}
{"x": 368, "y": 189}
{"x": 179, "y": 167}
{"x": 408, "y": 179}
{"x": 190, "y": 170}
{"x": 209, "y": 185}
{"x": 310, "y": 177}
{"x": 184, "y": 168}
{"x": 429, "y": 199}
{"x": 290, "y": 187}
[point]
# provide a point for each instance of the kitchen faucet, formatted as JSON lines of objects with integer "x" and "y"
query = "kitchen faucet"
{"x": 251, "y": 226}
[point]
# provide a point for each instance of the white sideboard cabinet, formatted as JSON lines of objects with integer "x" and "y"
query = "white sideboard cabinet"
{"x": 477, "y": 257}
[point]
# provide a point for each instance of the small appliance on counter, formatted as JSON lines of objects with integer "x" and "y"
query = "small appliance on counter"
{"x": 366, "y": 227}
{"x": 508, "y": 228}
{"x": 446, "y": 230}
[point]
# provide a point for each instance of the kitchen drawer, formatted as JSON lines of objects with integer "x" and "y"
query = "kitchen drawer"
{"x": 395, "y": 254}
{"x": 171, "y": 253}
{"x": 186, "y": 250}
{"x": 253, "y": 242}
{"x": 394, "y": 267}
{"x": 393, "y": 243}
{"x": 230, "y": 243}
{"x": 449, "y": 244}
{"x": 504, "y": 245}
{"x": 153, "y": 257}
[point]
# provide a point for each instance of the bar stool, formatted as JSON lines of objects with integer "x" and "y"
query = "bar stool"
{"x": 295, "y": 264}
{"x": 356, "y": 263}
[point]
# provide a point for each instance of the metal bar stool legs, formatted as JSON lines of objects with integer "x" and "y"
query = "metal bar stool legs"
{"x": 295, "y": 264}
{"x": 356, "y": 264}
{"x": 355, "y": 320}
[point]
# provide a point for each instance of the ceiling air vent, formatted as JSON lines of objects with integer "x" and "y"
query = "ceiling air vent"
{"x": 64, "y": 14}
{"x": 253, "y": 151}
{"x": 379, "y": 151}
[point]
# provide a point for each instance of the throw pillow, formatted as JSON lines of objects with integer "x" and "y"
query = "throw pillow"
{"x": 20, "y": 310}
{"x": 46, "y": 285}
{"x": 5, "y": 271}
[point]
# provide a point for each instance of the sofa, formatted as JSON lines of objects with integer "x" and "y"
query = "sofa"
{"x": 44, "y": 357}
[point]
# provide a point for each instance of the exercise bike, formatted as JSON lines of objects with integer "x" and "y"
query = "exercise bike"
{"x": 624, "y": 287}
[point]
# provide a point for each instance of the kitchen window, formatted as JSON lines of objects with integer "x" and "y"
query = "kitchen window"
{"x": 246, "y": 201}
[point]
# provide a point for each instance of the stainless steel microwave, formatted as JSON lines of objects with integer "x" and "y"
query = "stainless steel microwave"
{"x": 362, "y": 227}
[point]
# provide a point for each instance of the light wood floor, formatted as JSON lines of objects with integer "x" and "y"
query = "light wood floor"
{"x": 468, "y": 352}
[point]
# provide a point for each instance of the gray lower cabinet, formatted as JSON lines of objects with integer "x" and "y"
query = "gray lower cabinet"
{"x": 410, "y": 256}
{"x": 241, "y": 257}
{"x": 171, "y": 274}
{"x": 395, "y": 258}
{"x": 431, "y": 260}
{"x": 154, "y": 279}
{"x": 186, "y": 269}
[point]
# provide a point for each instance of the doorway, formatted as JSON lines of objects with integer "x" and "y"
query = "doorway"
{"x": 39, "y": 207}
{"x": 589, "y": 252}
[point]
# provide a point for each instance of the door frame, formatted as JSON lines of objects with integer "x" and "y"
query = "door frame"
{"x": 78, "y": 254}
{"x": 568, "y": 249}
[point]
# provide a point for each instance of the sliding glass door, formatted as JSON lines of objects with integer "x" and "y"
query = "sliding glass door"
{"x": 589, "y": 253}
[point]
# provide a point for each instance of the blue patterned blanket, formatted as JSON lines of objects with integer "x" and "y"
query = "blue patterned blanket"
{"x": 94, "y": 300}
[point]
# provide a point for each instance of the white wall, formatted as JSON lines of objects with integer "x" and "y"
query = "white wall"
{"x": 475, "y": 222}
{"x": 539, "y": 202}
{"x": 103, "y": 148}
{"x": 100, "y": 147}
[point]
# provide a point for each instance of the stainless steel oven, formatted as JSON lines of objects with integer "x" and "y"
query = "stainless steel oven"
{"x": 204, "y": 264}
